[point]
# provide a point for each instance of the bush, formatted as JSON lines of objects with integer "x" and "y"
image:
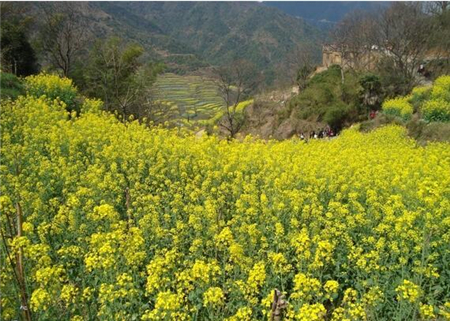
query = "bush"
{"x": 441, "y": 89}
{"x": 399, "y": 107}
{"x": 93, "y": 106}
{"x": 336, "y": 115}
{"x": 10, "y": 86}
{"x": 53, "y": 87}
{"x": 436, "y": 110}
{"x": 419, "y": 95}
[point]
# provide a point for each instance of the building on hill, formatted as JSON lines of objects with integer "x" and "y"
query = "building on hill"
{"x": 367, "y": 58}
{"x": 361, "y": 59}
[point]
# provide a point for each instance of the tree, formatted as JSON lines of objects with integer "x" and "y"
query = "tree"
{"x": 403, "y": 36}
{"x": 370, "y": 91}
{"x": 17, "y": 55}
{"x": 235, "y": 83}
{"x": 116, "y": 74}
{"x": 300, "y": 64}
{"x": 437, "y": 7}
{"x": 396, "y": 39}
{"x": 440, "y": 15}
{"x": 353, "y": 39}
{"x": 302, "y": 76}
{"x": 63, "y": 34}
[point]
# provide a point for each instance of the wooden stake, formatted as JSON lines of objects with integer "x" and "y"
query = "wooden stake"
{"x": 278, "y": 305}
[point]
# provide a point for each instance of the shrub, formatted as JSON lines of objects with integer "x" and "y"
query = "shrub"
{"x": 10, "y": 86}
{"x": 436, "y": 110}
{"x": 419, "y": 95}
{"x": 399, "y": 107}
{"x": 336, "y": 115}
{"x": 441, "y": 89}
{"x": 93, "y": 106}
{"x": 53, "y": 87}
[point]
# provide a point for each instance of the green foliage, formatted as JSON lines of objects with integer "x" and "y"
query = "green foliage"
{"x": 399, "y": 107}
{"x": 393, "y": 82}
{"x": 370, "y": 91}
{"x": 17, "y": 55}
{"x": 430, "y": 102}
{"x": 331, "y": 76}
{"x": 116, "y": 74}
{"x": 337, "y": 114}
{"x": 436, "y": 105}
{"x": 10, "y": 86}
{"x": 419, "y": 95}
{"x": 53, "y": 87}
{"x": 441, "y": 88}
{"x": 326, "y": 99}
{"x": 436, "y": 110}
{"x": 302, "y": 76}
{"x": 92, "y": 106}
{"x": 433, "y": 102}
{"x": 146, "y": 224}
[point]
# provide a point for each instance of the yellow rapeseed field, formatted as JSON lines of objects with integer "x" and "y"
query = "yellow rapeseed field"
{"x": 125, "y": 222}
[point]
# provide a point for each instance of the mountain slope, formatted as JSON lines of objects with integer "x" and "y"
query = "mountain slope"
{"x": 188, "y": 36}
{"x": 324, "y": 14}
{"x": 213, "y": 32}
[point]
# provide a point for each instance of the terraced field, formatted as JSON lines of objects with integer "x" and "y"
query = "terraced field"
{"x": 187, "y": 98}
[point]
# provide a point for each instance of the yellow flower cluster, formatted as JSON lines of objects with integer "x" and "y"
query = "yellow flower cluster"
{"x": 311, "y": 312}
{"x": 331, "y": 288}
{"x": 306, "y": 288}
{"x": 52, "y": 87}
{"x": 243, "y": 314}
{"x": 433, "y": 101}
{"x": 427, "y": 312}
{"x": 437, "y": 109}
{"x": 408, "y": 291}
{"x": 399, "y": 106}
{"x": 441, "y": 88}
{"x": 213, "y": 296}
{"x": 122, "y": 221}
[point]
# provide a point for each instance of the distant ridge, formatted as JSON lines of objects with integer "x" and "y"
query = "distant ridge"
{"x": 192, "y": 35}
{"x": 324, "y": 14}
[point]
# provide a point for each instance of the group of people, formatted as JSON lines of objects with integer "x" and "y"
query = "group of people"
{"x": 321, "y": 133}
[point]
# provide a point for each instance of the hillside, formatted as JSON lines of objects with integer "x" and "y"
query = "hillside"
{"x": 119, "y": 219}
{"x": 187, "y": 98}
{"x": 324, "y": 14}
{"x": 220, "y": 32}
{"x": 192, "y": 35}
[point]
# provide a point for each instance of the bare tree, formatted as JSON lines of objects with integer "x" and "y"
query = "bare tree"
{"x": 235, "y": 83}
{"x": 403, "y": 35}
{"x": 156, "y": 110}
{"x": 436, "y": 7}
{"x": 440, "y": 16}
{"x": 353, "y": 40}
{"x": 64, "y": 34}
{"x": 300, "y": 64}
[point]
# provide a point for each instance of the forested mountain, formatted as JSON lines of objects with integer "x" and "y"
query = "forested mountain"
{"x": 192, "y": 34}
{"x": 189, "y": 35}
{"x": 324, "y": 14}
